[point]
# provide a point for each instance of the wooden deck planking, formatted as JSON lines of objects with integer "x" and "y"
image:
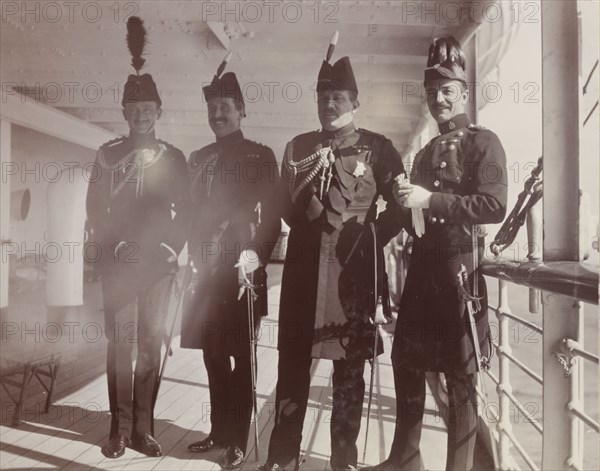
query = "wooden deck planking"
{"x": 73, "y": 442}
{"x": 89, "y": 430}
{"x": 180, "y": 365}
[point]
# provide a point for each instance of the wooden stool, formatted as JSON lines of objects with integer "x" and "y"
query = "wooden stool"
{"x": 40, "y": 361}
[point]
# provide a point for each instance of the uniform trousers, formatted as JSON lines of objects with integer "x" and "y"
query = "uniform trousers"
{"x": 410, "y": 403}
{"x": 291, "y": 398}
{"x": 231, "y": 398}
{"x": 132, "y": 393}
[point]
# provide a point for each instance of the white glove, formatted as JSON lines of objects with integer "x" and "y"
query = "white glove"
{"x": 412, "y": 196}
{"x": 247, "y": 263}
{"x": 418, "y": 221}
{"x": 407, "y": 195}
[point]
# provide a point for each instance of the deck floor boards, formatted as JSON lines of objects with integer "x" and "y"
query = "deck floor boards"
{"x": 70, "y": 435}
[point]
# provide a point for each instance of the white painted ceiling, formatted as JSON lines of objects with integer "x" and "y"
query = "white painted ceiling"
{"x": 73, "y": 57}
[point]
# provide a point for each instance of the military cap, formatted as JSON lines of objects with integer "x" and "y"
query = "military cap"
{"x": 338, "y": 76}
{"x": 138, "y": 87}
{"x": 225, "y": 86}
{"x": 445, "y": 60}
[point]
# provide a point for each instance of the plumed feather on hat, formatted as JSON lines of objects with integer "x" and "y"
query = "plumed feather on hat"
{"x": 445, "y": 60}
{"x": 445, "y": 48}
{"x": 136, "y": 42}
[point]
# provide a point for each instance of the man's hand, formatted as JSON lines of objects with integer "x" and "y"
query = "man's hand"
{"x": 247, "y": 263}
{"x": 411, "y": 196}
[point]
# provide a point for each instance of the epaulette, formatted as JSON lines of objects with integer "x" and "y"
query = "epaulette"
{"x": 374, "y": 134}
{"x": 254, "y": 143}
{"x": 167, "y": 144}
{"x": 304, "y": 135}
{"x": 255, "y": 149}
{"x": 112, "y": 143}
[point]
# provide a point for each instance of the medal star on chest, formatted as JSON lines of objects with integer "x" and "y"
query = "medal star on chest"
{"x": 360, "y": 169}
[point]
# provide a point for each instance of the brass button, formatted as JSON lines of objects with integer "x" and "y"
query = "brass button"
{"x": 436, "y": 183}
{"x": 451, "y": 147}
{"x": 442, "y": 141}
{"x": 443, "y": 164}
{"x": 442, "y": 220}
{"x": 460, "y": 134}
{"x": 434, "y": 219}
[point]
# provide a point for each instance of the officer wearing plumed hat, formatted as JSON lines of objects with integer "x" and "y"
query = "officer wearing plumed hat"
{"x": 235, "y": 225}
{"x": 333, "y": 277}
{"x": 137, "y": 205}
{"x": 458, "y": 183}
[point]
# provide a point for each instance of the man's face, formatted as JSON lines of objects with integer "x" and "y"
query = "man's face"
{"x": 223, "y": 117}
{"x": 142, "y": 116}
{"x": 336, "y": 109}
{"x": 446, "y": 98}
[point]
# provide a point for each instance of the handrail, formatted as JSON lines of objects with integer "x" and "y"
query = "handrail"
{"x": 522, "y": 366}
{"x": 576, "y": 348}
{"x": 520, "y": 320}
{"x": 573, "y": 279}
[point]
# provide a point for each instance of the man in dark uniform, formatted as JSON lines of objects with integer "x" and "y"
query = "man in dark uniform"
{"x": 139, "y": 183}
{"x": 331, "y": 180}
{"x": 458, "y": 181}
{"x": 235, "y": 228}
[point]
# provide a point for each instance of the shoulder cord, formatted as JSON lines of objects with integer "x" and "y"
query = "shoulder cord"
{"x": 138, "y": 165}
{"x": 198, "y": 172}
{"x": 323, "y": 158}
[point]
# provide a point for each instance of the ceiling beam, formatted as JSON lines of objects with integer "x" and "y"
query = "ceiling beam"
{"x": 49, "y": 121}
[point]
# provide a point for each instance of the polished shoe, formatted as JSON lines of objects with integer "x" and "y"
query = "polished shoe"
{"x": 148, "y": 446}
{"x": 234, "y": 458}
{"x": 115, "y": 448}
{"x": 206, "y": 444}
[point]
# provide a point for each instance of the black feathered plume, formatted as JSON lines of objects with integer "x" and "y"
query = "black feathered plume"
{"x": 136, "y": 42}
{"x": 445, "y": 48}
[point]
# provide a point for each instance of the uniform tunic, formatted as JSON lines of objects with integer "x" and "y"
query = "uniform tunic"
{"x": 328, "y": 290}
{"x": 465, "y": 169}
{"x": 233, "y": 188}
{"x": 234, "y": 184}
{"x": 138, "y": 194}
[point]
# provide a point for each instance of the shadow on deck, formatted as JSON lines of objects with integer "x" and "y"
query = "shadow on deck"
{"x": 70, "y": 434}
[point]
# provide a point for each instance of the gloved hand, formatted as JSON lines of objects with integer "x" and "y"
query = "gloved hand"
{"x": 247, "y": 263}
{"x": 411, "y": 196}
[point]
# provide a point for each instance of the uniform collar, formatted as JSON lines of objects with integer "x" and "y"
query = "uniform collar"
{"x": 142, "y": 140}
{"x": 233, "y": 138}
{"x": 342, "y": 132}
{"x": 457, "y": 122}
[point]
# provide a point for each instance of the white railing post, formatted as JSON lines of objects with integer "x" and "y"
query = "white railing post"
{"x": 504, "y": 425}
{"x": 561, "y": 94}
{"x": 576, "y": 397}
{"x": 561, "y": 319}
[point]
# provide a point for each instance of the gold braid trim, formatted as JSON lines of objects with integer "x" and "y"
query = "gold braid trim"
{"x": 137, "y": 160}
{"x": 323, "y": 158}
